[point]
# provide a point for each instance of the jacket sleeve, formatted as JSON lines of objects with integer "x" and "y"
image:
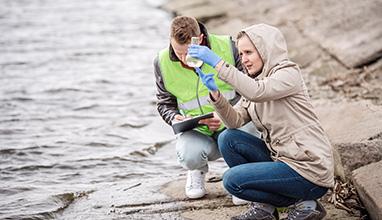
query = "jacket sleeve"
{"x": 232, "y": 117}
{"x": 167, "y": 105}
{"x": 282, "y": 83}
{"x": 237, "y": 116}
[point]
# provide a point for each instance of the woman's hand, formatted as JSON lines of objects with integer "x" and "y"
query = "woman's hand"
{"x": 204, "y": 53}
{"x": 212, "y": 123}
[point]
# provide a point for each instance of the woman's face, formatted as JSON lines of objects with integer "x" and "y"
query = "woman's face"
{"x": 250, "y": 57}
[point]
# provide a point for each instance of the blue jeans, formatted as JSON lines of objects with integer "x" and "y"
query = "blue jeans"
{"x": 254, "y": 176}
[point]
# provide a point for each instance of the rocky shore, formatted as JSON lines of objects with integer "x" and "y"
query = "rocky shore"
{"x": 338, "y": 45}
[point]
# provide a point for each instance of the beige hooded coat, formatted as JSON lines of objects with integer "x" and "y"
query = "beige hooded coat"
{"x": 277, "y": 102}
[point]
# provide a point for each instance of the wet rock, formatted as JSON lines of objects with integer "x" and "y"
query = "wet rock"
{"x": 368, "y": 182}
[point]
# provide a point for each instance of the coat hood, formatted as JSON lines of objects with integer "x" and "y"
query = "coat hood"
{"x": 271, "y": 45}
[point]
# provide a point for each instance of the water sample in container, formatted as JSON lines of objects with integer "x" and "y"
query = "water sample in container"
{"x": 193, "y": 62}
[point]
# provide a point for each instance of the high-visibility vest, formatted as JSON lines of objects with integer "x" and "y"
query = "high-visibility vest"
{"x": 185, "y": 85}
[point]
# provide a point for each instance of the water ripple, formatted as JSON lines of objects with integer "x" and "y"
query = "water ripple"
{"x": 77, "y": 100}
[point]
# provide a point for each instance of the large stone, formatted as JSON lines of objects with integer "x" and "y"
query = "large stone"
{"x": 368, "y": 182}
{"x": 356, "y": 155}
{"x": 176, "y": 5}
{"x": 349, "y": 122}
{"x": 204, "y": 12}
{"x": 350, "y": 30}
{"x": 354, "y": 130}
{"x": 228, "y": 27}
{"x": 300, "y": 49}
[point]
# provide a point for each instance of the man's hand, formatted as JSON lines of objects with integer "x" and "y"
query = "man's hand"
{"x": 207, "y": 80}
{"x": 178, "y": 118}
{"x": 212, "y": 123}
{"x": 204, "y": 53}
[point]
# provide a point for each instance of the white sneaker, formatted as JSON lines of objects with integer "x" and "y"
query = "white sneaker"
{"x": 238, "y": 201}
{"x": 195, "y": 184}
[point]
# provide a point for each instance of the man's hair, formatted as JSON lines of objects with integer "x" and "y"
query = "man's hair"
{"x": 183, "y": 28}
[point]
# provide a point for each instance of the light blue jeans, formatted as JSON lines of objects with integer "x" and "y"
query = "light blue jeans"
{"x": 194, "y": 149}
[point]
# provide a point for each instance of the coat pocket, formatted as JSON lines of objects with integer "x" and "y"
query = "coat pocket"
{"x": 291, "y": 150}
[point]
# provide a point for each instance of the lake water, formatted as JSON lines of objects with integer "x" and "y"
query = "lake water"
{"x": 77, "y": 103}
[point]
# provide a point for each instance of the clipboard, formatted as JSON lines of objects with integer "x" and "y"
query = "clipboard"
{"x": 189, "y": 124}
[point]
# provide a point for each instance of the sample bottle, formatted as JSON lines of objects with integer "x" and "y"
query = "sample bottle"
{"x": 193, "y": 62}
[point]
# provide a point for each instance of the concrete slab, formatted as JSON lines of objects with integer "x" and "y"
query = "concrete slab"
{"x": 350, "y": 30}
{"x": 353, "y": 129}
{"x": 228, "y": 27}
{"x": 175, "y": 5}
{"x": 349, "y": 122}
{"x": 368, "y": 182}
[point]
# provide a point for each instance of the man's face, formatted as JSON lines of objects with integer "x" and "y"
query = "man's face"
{"x": 250, "y": 57}
{"x": 180, "y": 50}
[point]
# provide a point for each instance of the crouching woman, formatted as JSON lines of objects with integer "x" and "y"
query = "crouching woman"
{"x": 292, "y": 163}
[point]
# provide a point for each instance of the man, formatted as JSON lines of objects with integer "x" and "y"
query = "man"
{"x": 180, "y": 94}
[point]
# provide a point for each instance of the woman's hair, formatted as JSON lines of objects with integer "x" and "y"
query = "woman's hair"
{"x": 240, "y": 35}
{"x": 183, "y": 28}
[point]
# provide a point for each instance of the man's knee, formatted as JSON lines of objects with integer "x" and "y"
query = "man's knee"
{"x": 192, "y": 160}
{"x": 195, "y": 149}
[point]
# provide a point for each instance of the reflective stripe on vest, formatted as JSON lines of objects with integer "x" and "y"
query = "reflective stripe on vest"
{"x": 193, "y": 104}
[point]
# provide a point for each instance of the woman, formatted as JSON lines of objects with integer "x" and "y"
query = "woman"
{"x": 292, "y": 164}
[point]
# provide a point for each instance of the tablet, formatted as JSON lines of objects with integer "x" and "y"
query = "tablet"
{"x": 190, "y": 123}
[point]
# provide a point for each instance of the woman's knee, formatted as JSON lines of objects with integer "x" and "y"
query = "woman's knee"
{"x": 230, "y": 181}
{"x": 225, "y": 138}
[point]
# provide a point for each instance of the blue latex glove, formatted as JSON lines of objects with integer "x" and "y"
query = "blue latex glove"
{"x": 207, "y": 80}
{"x": 204, "y": 53}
